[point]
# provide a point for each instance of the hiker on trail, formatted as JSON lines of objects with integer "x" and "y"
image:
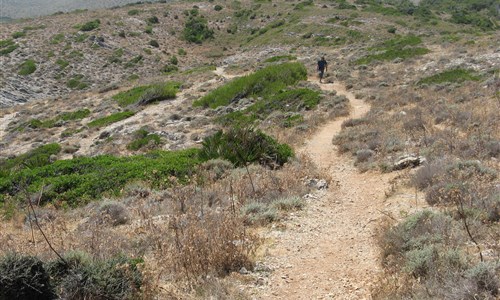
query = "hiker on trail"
{"x": 322, "y": 67}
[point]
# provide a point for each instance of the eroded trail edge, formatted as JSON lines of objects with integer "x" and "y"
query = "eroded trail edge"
{"x": 329, "y": 250}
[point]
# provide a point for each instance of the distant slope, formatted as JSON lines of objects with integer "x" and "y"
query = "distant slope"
{"x": 15, "y": 9}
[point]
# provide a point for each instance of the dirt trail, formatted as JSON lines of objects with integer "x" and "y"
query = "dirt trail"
{"x": 329, "y": 250}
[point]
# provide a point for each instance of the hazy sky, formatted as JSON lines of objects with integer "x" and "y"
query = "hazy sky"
{"x": 31, "y": 8}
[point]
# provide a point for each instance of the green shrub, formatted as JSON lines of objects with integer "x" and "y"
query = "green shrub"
{"x": 218, "y": 7}
{"x": 196, "y": 30}
{"x": 153, "y": 20}
{"x": 290, "y": 203}
{"x": 154, "y": 43}
{"x": 133, "y": 12}
{"x": 173, "y": 60}
{"x": 134, "y": 61}
{"x": 147, "y": 93}
{"x": 168, "y": 68}
{"x": 76, "y": 83}
{"x": 345, "y": 5}
{"x": 35, "y": 158}
{"x": 81, "y": 37}
{"x": 24, "y": 277}
{"x": 115, "y": 278}
{"x": 7, "y": 46}
{"x": 285, "y": 101}
{"x": 245, "y": 145}
{"x": 264, "y": 82}
{"x": 280, "y": 58}
{"x": 62, "y": 63}
{"x": 142, "y": 138}
{"x": 78, "y": 180}
{"x": 116, "y": 117}
{"x": 303, "y": 4}
{"x": 27, "y": 67}
{"x": 181, "y": 52}
{"x": 18, "y": 34}
{"x": 91, "y": 25}
{"x": 400, "y": 47}
{"x": 58, "y": 38}
{"x": 259, "y": 213}
{"x": 49, "y": 123}
{"x": 149, "y": 29}
{"x": 456, "y": 75}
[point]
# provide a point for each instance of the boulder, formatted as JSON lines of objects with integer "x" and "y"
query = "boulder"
{"x": 408, "y": 161}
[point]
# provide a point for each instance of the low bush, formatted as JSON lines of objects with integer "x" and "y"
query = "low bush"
{"x": 401, "y": 47}
{"x": 280, "y": 58}
{"x": 58, "y": 38}
{"x": 56, "y": 121}
{"x": 77, "y": 82}
{"x": 216, "y": 243}
{"x": 456, "y": 75}
{"x": 259, "y": 213}
{"x": 426, "y": 250}
{"x": 24, "y": 277}
{"x": 146, "y": 94}
{"x": 245, "y": 145}
{"x": 143, "y": 138}
{"x": 7, "y": 46}
{"x": 153, "y": 20}
{"x": 133, "y": 12}
{"x": 134, "y": 61}
{"x": 290, "y": 101}
{"x": 113, "y": 118}
{"x": 169, "y": 68}
{"x": 154, "y": 43}
{"x": 264, "y": 82}
{"x": 218, "y": 7}
{"x": 27, "y": 67}
{"x": 303, "y": 4}
{"x": 112, "y": 212}
{"x": 18, "y": 34}
{"x": 91, "y": 25}
{"x": 35, "y": 158}
{"x": 62, "y": 63}
{"x": 79, "y": 180}
{"x": 289, "y": 203}
{"x": 196, "y": 30}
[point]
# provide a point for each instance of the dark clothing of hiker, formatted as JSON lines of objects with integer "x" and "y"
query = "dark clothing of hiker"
{"x": 322, "y": 67}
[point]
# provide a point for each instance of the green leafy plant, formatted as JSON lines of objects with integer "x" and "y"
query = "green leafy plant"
{"x": 18, "y": 34}
{"x": 400, "y": 47}
{"x": 76, "y": 82}
{"x": 7, "y": 46}
{"x": 142, "y": 138}
{"x": 280, "y": 58}
{"x": 196, "y": 30}
{"x": 91, "y": 25}
{"x": 79, "y": 180}
{"x": 456, "y": 75}
{"x": 245, "y": 145}
{"x": 148, "y": 93}
{"x": 27, "y": 67}
{"x": 113, "y": 118}
{"x": 264, "y": 82}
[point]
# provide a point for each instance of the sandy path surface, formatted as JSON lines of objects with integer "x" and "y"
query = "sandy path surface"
{"x": 329, "y": 250}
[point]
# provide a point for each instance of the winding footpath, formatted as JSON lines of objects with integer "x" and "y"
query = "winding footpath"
{"x": 329, "y": 250}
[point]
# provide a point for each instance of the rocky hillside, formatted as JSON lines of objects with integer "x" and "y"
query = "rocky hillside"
{"x": 186, "y": 118}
